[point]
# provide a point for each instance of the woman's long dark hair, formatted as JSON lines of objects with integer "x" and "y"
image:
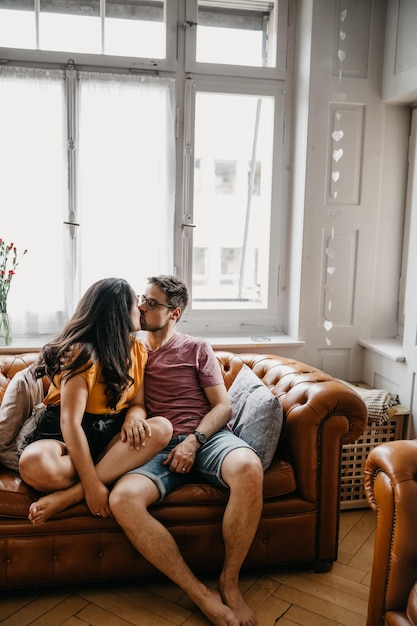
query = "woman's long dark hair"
{"x": 99, "y": 331}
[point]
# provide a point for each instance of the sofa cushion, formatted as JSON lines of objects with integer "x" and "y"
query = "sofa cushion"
{"x": 256, "y": 414}
{"x": 16, "y": 496}
{"x": 22, "y": 394}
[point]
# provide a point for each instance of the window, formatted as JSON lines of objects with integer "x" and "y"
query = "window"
{"x": 138, "y": 161}
{"x": 119, "y": 166}
{"x": 127, "y": 33}
{"x": 231, "y": 216}
{"x": 251, "y": 26}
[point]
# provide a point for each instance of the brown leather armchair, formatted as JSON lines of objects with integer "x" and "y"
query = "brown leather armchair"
{"x": 390, "y": 483}
{"x": 300, "y": 520}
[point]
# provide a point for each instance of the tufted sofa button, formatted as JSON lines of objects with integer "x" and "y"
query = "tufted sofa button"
{"x": 8, "y": 561}
{"x": 100, "y": 555}
{"x": 55, "y": 557}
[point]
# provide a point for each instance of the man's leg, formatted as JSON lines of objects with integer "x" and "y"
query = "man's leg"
{"x": 129, "y": 502}
{"x": 242, "y": 472}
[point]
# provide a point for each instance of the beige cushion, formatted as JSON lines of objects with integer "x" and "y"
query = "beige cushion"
{"x": 22, "y": 395}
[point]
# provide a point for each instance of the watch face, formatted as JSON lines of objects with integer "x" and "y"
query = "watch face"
{"x": 201, "y": 437}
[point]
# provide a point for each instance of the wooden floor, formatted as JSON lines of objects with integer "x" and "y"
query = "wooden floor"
{"x": 279, "y": 597}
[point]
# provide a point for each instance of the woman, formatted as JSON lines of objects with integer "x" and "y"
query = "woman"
{"x": 94, "y": 427}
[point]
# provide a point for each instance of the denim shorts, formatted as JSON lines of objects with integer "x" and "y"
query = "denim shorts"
{"x": 207, "y": 465}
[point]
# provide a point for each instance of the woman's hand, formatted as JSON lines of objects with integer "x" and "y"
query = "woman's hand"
{"x": 97, "y": 498}
{"x": 135, "y": 429}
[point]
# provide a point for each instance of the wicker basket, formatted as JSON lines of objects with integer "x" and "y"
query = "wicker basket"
{"x": 352, "y": 494}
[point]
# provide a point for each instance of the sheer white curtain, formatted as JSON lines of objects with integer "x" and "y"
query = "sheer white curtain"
{"x": 33, "y": 193}
{"x": 126, "y": 185}
{"x": 124, "y": 181}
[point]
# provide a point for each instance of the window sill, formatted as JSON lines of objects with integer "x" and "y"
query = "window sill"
{"x": 22, "y": 344}
{"x": 219, "y": 342}
{"x": 391, "y": 348}
{"x": 261, "y": 342}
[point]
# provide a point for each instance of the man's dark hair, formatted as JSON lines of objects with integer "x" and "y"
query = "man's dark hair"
{"x": 174, "y": 288}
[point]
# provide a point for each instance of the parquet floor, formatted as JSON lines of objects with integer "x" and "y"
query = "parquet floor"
{"x": 278, "y": 597}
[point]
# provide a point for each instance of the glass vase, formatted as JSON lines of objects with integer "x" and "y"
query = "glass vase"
{"x": 5, "y": 329}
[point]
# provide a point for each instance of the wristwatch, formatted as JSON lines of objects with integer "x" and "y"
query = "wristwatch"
{"x": 201, "y": 437}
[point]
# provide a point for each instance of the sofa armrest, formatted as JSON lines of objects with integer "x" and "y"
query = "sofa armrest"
{"x": 320, "y": 415}
{"x": 390, "y": 481}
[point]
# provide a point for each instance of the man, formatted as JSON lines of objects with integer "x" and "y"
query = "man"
{"x": 183, "y": 382}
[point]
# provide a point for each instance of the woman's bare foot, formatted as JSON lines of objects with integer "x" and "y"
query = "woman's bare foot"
{"x": 217, "y": 612}
{"x": 234, "y": 599}
{"x": 48, "y": 506}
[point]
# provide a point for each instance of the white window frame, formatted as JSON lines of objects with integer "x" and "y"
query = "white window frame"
{"x": 180, "y": 64}
{"x": 277, "y": 72}
{"x": 222, "y": 320}
{"x": 90, "y": 61}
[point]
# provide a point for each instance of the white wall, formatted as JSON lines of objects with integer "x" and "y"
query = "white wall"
{"x": 354, "y": 206}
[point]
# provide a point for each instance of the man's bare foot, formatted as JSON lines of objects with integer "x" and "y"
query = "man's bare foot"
{"x": 233, "y": 598}
{"x": 47, "y": 506}
{"x": 217, "y": 612}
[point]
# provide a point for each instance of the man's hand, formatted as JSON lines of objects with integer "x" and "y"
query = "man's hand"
{"x": 135, "y": 430}
{"x": 181, "y": 458}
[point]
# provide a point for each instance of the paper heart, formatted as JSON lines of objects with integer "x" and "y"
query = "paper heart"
{"x": 337, "y": 134}
{"x": 334, "y": 195}
{"x": 342, "y": 55}
{"x": 328, "y": 325}
{"x": 339, "y": 97}
{"x": 331, "y": 270}
{"x": 328, "y": 342}
{"x": 338, "y": 116}
{"x": 337, "y": 154}
{"x": 330, "y": 252}
{"x": 335, "y": 176}
{"x": 342, "y": 35}
{"x": 343, "y": 15}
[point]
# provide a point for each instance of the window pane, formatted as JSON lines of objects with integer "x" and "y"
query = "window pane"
{"x": 17, "y": 24}
{"x": 71, "y": 26}
{"x": 126, "y": 177}
{"x": 242, "y": 34}
{"x": 135, "y": 29}
{"x": 33, "y": 194}
{"x": 232, "y": 200}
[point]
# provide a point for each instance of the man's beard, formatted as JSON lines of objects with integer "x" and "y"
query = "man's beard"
{"x": 148, "y": 327}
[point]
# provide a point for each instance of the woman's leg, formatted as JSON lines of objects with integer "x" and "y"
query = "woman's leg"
{"x": 117, "y": 460}
{"x": 46, "y": 466}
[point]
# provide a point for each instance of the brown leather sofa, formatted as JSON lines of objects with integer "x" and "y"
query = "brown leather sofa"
{"x": 390, "y": 483}
{"x": 300, "y": 520}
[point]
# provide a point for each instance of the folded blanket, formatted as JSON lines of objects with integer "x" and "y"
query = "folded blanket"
{"x": 379, "y": 402}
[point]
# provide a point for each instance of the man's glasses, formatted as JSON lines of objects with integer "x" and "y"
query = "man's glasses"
{"x": 152, "y": 304}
